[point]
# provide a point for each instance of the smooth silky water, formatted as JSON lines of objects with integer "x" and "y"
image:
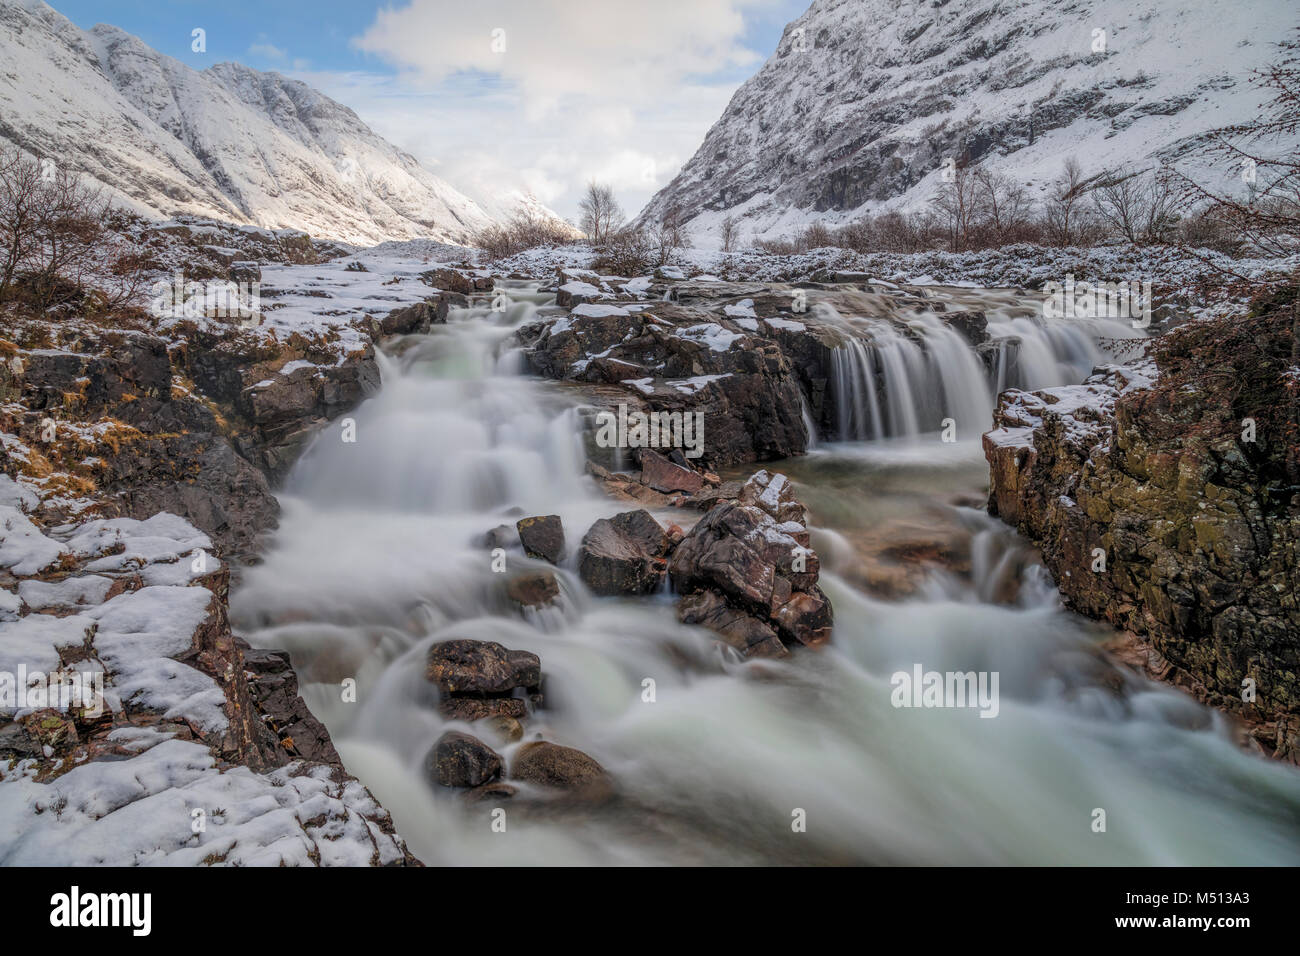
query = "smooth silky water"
{"x": 378, "y": 556}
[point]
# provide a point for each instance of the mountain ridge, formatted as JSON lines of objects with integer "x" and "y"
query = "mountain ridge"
{"x": 228, "y": 142}
{"x": 863, "y": 100}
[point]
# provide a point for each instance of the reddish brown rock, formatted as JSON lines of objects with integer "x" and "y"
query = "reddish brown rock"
{"x": 667, "y": 476}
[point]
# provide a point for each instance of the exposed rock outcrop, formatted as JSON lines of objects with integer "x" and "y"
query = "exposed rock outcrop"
{"x": 184, "y": 705}
{"x": 746, "y": 570}
{"x": 1166, "y": 500}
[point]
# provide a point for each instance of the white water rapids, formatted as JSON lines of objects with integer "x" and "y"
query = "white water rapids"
{"x": 378, "y": 556}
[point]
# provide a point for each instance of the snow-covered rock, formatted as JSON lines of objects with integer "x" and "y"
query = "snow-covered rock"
{"x": 156, "y": 765}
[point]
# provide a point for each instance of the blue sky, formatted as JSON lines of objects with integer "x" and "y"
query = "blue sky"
{"x": 618, "y": 90}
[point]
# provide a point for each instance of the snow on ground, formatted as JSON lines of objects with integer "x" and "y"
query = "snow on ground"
{"x": 1083, "y": 412}
{"x": 1018, "y": 266}
{"x": 142, "y": 793}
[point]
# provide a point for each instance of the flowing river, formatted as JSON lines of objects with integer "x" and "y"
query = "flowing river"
{"x": 379, "y": 555}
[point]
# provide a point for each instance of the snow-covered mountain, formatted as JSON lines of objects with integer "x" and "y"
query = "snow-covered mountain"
{"x": 864, "y": 99}
{"x": 228, "y": 142}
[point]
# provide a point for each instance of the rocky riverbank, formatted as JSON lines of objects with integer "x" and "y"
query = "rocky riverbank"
{"x": 1165, "y": 499}
{"x": 138, "y": 462}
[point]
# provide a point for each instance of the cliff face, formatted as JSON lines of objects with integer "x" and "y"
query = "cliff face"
{"x": 1166, "y": 501}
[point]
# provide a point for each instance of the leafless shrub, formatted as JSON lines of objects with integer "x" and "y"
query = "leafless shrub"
{"x": 1139, "y": 207}
{"x": 1005, "y": 207}
{"x": 729, "y": 233}
{"x": 667, "y": 236}
{"x": 959, "y": 206}
{"x": 525, "y": 230}
{"x": 1065, "y": 218}
{"x": 1205, "y": 228}
{"x": 53, "y": 226}
{"x": 627, "y": 252}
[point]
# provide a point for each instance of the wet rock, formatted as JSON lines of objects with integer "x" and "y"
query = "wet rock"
{"x": 560, "y": 768}
{"x": 742, "y": 631}
{"x": 542, "y": 537}
{"x": 753, "y": 556}
{"x": 460, "y": 760}
{"x": 667, "y": 476}
{"x": 412, "y": 319}
{"x": 496, "y": 791}
{"x": 683, "y": 360}
{"x": 972, "y": 325}
{"x": 449, "y": 280}
{"x": 502, "y": 536}
{"x": 533, "y": 589}
{"x": 471, "y": 709}
{"x": 626, "y": 554}
{"x": 708, "y": 497}
{"x": 273, "y": 687}
{"x": 481, "y": 667}
{"x": 507, "y": 728}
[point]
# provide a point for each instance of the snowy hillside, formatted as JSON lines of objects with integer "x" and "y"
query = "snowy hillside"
{"x": 864, "y": 99}
{"x": 229, "y": 142}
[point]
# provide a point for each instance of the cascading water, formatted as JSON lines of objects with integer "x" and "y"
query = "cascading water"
{"x": 378, "y": 556}
{"x": 907, "y": 376}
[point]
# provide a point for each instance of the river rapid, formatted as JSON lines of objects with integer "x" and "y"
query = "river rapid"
{"x": 379, "y": 555}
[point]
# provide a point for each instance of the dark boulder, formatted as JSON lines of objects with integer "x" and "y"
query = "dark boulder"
{"x": 542, "y": 537}
{"x": 481, "y": 667}
{"x": 626, "y": 554}
{"x": 460, "y": 760}
{"x": 560, "y": 768}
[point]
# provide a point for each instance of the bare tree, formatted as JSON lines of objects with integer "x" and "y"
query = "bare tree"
{"x": 1063, "y": 217}
{"x": 601, "y": 215}
{"x": 1139, "y": 207}
{"x": 51, "y": 223}
{"x": 668, "y": 235}
{"x": 959, "y": 206}
{"x": 729, "y": 232}
{"x": 70, "y": 228}
{"x": 20, "y": 180}
{"x": 1005, "y": 204}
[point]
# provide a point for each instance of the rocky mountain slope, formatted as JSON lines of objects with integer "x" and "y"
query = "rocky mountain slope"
{"x": 864, "y": 99}
{"x": 229, "y": 142}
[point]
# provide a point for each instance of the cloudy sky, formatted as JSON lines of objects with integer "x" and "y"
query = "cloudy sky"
{"x": 495, "y": 95}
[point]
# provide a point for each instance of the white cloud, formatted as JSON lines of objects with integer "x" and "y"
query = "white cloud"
{"x": 622, "y": 91}
{"x": 266, "y": 49}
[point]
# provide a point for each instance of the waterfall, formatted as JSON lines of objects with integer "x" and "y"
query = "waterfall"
{"x": 906, "y": 377}
{"x": 887, "y": 383}
{"x": 379, "y": 555}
